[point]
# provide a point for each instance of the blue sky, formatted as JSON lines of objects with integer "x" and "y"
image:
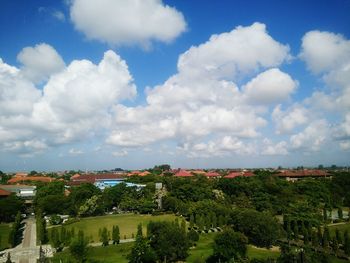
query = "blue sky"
{"x": 105, "y": 84}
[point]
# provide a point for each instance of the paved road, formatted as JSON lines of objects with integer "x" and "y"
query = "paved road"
{"x": 27, "y": 251}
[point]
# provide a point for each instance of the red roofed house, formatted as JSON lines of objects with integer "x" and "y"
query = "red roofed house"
{"x": 293, "y": 175}
{"x": 75, "y": 176}
{"x": 139, "y": 173}
{"x": 183, "y": 173}
{"x": 4, "y": 193}
{"x": 238, "y": 174}
{"x": 21, "y": 179}
{"x": 144, "y": 173}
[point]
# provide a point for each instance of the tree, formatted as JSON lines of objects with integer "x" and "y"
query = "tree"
{"x": 306, "y": 236}
{"x": 262, "y": 229}
{"x": 8, "y": 260}
{"x": 115, "y": 235}
{"x": 90, "y": 207}
{"x": 15, "y": 233}
{"x": 335, "y": 245}
{"x": 168, "y": 241}
{"x": 191, "y": 220}
{"x": 326, "y": 238}
{"x": 347, "y": 243}
{"x": 288, "y": 230}
{"x": 319, "y": 236}
{"x": 9, "y": 207}
{"x": 79, "y": 247}
{"x": 325, "y": 215}
{"x": 314, "y": 239}
{"x": 104, "y": 237}
{"x": 296, "y": 230}
{"x": 41, "y": 228}
{"x": 230, "y": 245}
{"x": 55, "y": 238}
{"x": 193, "y": 236}
{"x": 141, "y": 251}
{"x": 338, "y": 236}
{"x": 340, "y": 213}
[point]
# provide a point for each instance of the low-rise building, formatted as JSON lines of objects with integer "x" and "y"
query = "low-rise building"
{"x": 294, "y": 175}
{"x": 24, "y": 191}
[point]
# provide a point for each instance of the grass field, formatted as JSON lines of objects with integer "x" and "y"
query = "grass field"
{"x": 110, "y": 254}
{"x": 204, "y": 249}
{"x": 4, "y": 235}
{"x": 261, "y": 253}
{"x": 341, "y": 227}
{"x": 198, "y": 254}
{"x": 127, "y": 224}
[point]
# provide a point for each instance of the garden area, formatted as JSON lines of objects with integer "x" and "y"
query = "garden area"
{"x": 4, "y": 235}
{"x": 127, "y": 224}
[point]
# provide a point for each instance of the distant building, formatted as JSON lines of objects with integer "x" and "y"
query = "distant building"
{"x": 183, "y": 173}
{"x": 294, "y": 175}
{"x": 23, "y": 179}
{"x": 139, "y": 173}
{"x": 102, "y": 181}
{"x": 24, "y": 191}
{"x": 4, "y": 193}
{"x": 239, "y": 174}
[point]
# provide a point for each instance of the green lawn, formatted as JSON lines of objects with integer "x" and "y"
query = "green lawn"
{"x": 341, "y": 227}
{"x": 203, "y": 249}
{"x": 127, "y": 224}
{"x": 110, "y": 254}
{"x": 261, "y": 253}
{"x": 4, "y": 235}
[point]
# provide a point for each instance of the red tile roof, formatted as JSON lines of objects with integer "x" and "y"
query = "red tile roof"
{"x": 139, "y": 173}
{"x": 237, "y": 174}
{"x": 183, "y": 173}
{"x": 21, "y": 179}
{"x": 4, "y": 192}
{"x": 233, "y": 175}
{"x": 92, "y": 178}
{"x": 303, "y": 173}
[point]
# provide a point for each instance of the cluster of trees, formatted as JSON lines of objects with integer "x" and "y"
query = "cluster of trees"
{"x": 317, "y": 237}
{"x": 164, "y": 242}
{"x": 88, "y": 200}
{"x": 9, "y": 207}
{"x": 15, "y": 236}
{"x": 105, "y": 235}
{"x": 61, "y": 237}
{"x": 78, "y": 247}
{"x": 41, "y": 230}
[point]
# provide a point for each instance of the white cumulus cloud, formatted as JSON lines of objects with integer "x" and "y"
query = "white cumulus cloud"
{"x": 74, "y": 104}
{"x": 271, "y": 86}
{"x": 40, "y": 62}
{"x": 202, "y": 100}
{"x": 127, "y": 22}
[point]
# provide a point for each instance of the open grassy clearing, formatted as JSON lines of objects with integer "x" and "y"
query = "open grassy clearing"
{"x": 341, "y": 227}
{"x": 127, "y": 224}
{"x": 203, "y": 249}
{"x": 200, "y": 253}
{"x": 4, "y": 235}
{"x": 110, "y": 254}
{"x": 262, "y": 253}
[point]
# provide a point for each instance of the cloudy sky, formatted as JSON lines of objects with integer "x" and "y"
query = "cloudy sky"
{"x": 99, "y": 84}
